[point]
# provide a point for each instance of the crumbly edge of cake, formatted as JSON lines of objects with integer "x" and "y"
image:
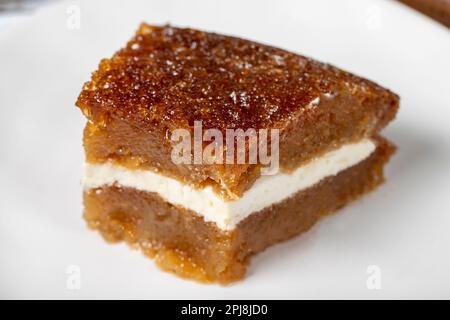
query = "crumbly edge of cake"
{"x": 183, "y": 243}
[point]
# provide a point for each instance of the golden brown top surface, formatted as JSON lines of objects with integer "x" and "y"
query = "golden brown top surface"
{"x": 171, "y": 76}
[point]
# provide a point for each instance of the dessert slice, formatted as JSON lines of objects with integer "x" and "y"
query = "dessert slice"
{"x": 204, "y": 219}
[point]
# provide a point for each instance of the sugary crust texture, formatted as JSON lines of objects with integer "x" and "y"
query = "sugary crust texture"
{"x": 166, "y": 78}
{"x": 183, "y": 243}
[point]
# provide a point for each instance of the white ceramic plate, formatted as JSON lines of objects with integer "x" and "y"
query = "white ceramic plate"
{"x": 403, "y": 228}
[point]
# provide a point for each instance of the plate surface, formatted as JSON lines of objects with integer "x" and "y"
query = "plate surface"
{"x": 400, "y": 232}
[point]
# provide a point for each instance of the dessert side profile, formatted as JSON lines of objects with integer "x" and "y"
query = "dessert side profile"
{"x": 204, "y": 221}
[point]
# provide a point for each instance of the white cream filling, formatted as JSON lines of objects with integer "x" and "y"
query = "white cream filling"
{"x": 266, "y": 191}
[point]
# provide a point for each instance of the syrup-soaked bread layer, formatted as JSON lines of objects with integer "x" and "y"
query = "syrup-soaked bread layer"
{"x": 183, "y": 243}
{"x": 166, "y": 78}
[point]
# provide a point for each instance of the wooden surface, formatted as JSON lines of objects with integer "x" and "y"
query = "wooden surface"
{"x": 436, "y": 9}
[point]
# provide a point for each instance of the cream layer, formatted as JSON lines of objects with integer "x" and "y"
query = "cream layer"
{"x": 267, "y": 190}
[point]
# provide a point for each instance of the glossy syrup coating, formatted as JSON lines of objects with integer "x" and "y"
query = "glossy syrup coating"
{"x": 170, "y": 77}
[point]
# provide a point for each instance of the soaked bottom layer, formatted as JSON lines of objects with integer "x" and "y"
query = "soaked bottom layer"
{"x": 183, "y": 243}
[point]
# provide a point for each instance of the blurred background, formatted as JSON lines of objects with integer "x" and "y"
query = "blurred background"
{"x": 10, "y": 10}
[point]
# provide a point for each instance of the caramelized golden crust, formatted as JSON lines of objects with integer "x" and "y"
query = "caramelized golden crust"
{"x": 183, "y": 243}
{"x": 166, "y": 78}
